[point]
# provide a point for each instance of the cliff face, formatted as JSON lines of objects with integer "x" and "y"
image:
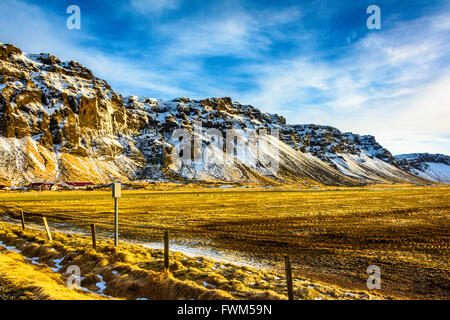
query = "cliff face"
{"x": 57, "y": 118}
{"x": 435, "y": 167}
{"x": 58, "y": 122}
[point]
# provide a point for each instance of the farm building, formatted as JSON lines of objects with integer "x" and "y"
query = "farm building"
{"x": 79, "y": 185}
{"x": 43, "y": 186}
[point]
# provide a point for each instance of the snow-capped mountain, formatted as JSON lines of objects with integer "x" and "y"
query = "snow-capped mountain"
{"x": 58, "y": 122}
{"x": 434, "y": 167}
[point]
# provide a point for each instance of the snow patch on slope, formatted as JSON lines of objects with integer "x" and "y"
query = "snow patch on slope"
{"x": 439, "y": 172}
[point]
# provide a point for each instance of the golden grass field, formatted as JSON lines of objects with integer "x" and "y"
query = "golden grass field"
{"x": 132, "y": 271}
{"x": 332, "y": 235}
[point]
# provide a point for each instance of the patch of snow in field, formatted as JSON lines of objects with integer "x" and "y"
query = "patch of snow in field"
{"x": 101, "y": 285}
{"x": 234, "y": 258}
{"x": 57, "y": 227}
{"x": 206, "y": 285}
{"x": 349, "y": 294}
{"x": 57, "y": 263}
{"x": 219, "y": 266}
{"x": 10, "y": 248}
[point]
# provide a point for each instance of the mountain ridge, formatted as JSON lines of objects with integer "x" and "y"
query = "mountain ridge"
{"x": 431, "y": 166}
{"x": 58, "y": 122}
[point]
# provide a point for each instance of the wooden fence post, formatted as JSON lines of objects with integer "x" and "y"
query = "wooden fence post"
{"x": 166, "y": 250}
{"x": 49, "y": 235}
{"x": 287, "y": 265}
{"x": 94, "y": 240}
{"x": 23, "y": 220}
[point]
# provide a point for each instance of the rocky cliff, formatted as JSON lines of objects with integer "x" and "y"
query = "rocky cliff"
{"x": 434, "y": 167}
{"x": 58, "y": 122}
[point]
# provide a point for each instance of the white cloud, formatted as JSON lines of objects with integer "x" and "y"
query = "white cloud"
{"x": 34, "y": 30}
{"x": 228, "y": 33}
{"x": 392, "y": 84}
{"x": 216, "y": 37}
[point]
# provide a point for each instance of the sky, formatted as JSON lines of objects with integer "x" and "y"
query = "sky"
{"x": 309, "y": 61}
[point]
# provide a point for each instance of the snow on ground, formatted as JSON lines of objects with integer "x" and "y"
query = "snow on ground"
{"x": 101, "y": 284}
{"x": 366, "y": 167}
{"x": 57, "y": 263}
{"x": 227, "y": 257}
{"x": 434, "y": 171}
{"x": 191, "y": 251}
{"x": 208, "y": 285}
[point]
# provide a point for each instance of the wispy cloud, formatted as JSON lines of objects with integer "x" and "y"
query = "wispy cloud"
{"x": 237, "y": 33}
{"x": 390, "y": 84}
{"x": 310, "y": 68}
{"x": 42, "y": 31}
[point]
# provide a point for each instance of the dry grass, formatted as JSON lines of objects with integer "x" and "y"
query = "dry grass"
{"x": 332, "y": 236}
{"x": 36, "y": 282}
{"x": 132, "y": 271}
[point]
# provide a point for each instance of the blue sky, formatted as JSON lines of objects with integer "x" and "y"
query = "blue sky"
{"x": 310, "y": 61}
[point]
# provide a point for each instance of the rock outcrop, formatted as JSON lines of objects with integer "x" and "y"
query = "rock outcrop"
{"x": 58, "y": 122}
{"x": 434, "y": 167}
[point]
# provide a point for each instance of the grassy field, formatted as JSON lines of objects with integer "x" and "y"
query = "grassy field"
{"x": 331, "y": 235}
{"x": 31, "y": 267}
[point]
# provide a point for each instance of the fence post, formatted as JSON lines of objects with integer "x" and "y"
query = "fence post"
{"x": 94, "y": 240}
{"x": 47, "y": 229}
{"x": 287, "y": 265}
{"x": 166, "y": 250}
{"x": 116, "y": 193}
{"x": 116, "y": 222}
{"x": 23, "y": 220}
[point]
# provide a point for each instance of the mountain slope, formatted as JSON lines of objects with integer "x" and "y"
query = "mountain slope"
{"x": 434, "y": 167}
{"x": 58, "y": 122}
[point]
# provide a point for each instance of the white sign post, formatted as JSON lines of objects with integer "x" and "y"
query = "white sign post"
{"x": 116, "y": 193}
